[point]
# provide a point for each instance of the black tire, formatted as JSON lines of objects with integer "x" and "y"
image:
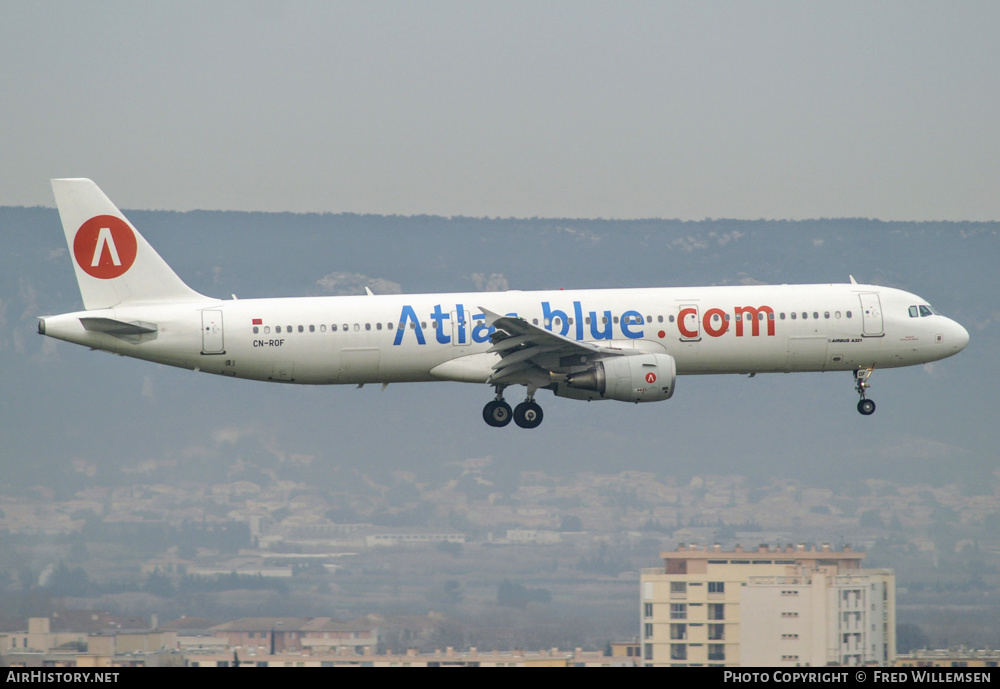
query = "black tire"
{"x": 528, "y": 415}
{"x": 497, "y": 413}
{"x": 866, "y": 407}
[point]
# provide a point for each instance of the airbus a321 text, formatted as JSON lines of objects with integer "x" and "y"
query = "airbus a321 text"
{"x": 620, "y": 344}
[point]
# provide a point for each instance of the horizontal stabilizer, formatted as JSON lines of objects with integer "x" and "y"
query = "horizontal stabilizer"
{"x": 135, "y": 332}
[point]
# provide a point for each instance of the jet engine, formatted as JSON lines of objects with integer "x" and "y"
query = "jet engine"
{"x": 638, "y": 378}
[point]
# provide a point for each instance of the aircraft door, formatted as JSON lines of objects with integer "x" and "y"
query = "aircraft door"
{"x": 871, "y": 315}
{"x": 212, "y": 341}
{"x": 461, "y": 326}
{"x": 688, "y": 323}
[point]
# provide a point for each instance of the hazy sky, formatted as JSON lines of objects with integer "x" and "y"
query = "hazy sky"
{"x": 584, "y": 109}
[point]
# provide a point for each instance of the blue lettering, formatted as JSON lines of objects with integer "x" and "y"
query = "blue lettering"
{"x": 460, "y": 313}
{"x": 578, "y": 314}
{"x": 600, "y": 334}
{"x": 439, "y": 317}
{"x": 548, "y": 314}
{"x": 408, "y": 315}
{"x": 480, "y": 332}
{"x": 631, "y": 318}
{"x": 473, "y": 327}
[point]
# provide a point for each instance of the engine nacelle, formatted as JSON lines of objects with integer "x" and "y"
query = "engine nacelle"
{"x": 639, "y": 378}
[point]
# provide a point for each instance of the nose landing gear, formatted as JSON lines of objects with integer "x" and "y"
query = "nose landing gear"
{"x": 865, "y": 406}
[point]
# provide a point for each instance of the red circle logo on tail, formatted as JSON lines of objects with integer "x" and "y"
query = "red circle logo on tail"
{"x": 104, "y": 247}
{"x": 650, "y": 377}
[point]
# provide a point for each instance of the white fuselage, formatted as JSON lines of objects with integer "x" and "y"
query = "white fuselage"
{"x": 622, "y": 344}
{"x": 404, "y": 338}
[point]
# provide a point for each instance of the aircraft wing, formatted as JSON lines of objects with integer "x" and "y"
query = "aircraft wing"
{"x": 526, "y": 349}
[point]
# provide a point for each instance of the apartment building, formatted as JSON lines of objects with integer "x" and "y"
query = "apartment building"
{"x": 781, "y": 607}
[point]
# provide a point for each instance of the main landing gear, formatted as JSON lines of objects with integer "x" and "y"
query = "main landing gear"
{"x": 526, "y": 415}
{"x": 865, "y": 405}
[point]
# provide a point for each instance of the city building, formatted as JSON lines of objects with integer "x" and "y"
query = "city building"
{"x": 949, "y": 657}
{"x": 102, "y": 641}
{"x": 448, "y": 657}
{"x": 782, "y": 607}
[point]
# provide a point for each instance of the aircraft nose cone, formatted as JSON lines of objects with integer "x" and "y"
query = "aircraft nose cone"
{"x": 960, "y": 337}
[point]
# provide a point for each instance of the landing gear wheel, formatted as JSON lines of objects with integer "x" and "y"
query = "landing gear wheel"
{"x": 866, "y": 407}
{"x": 528, "y": 415}
{"x": 497, "y": 413}
{"x": 861, "y": 376}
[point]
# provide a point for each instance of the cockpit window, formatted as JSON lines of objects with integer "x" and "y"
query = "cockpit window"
{"x": 923, "y": 311}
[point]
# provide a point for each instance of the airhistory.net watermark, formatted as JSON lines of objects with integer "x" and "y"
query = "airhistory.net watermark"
{"x": 75, "y": 677}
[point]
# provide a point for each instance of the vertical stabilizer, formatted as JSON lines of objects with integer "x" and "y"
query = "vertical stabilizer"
{"x": 114, "y": 265}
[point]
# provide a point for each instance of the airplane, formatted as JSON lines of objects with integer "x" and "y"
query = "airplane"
{"x": 628, "y": 345}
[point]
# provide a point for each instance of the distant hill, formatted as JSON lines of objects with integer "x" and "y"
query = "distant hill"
{"x": 114, "y": 413}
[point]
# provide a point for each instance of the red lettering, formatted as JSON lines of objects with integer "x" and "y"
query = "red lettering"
{"x": 681, "y": 316}
{"x": 753, "y": 313}
{"x": 711, "y": 330}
